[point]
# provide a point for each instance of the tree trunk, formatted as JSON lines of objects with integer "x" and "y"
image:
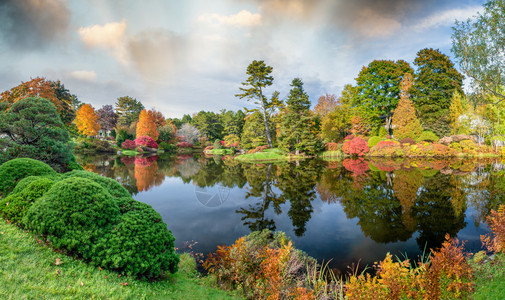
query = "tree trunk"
{"x": 265, "y": 119}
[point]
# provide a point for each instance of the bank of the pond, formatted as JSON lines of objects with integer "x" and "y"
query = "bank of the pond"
{"x": 32, "y": 270}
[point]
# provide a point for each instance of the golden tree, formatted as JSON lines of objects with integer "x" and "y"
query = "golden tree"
{"x": 146, "y": 125}
{"x": 86, "y": 120}
{"x": 405, "y": 122}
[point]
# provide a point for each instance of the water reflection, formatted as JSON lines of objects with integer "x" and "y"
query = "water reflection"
{"x": 400, "y": 203}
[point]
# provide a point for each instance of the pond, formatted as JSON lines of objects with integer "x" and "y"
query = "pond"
{"x": 347, "y": 212}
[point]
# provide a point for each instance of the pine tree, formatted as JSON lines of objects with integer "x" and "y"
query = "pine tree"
{"x": 405, "y": 122}
{"x": 87, "y": 120}
{"x": 297, "y": 127}
{"x": 146, "y": 125}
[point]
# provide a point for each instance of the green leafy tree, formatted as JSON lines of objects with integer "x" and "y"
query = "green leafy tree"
{"x": 128, "y": 110}
{"x": 297, "y": 122}
{"x": 233, "y": 122}
{"x": 378, "y": 90}
{"x": 254, "y": 134}
{"x": 260, "y": 78}
{"x": 405, "y": 122}
{"x": 435, "y": 82}
{"x": 478, "y": 45}
{"x": 336, "y": 124}
{"x": 33, "y": 129}
{"x": 209, "y": 124}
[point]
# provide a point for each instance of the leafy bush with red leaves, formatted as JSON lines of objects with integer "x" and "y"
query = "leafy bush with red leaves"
{"x": 355, "y": 147}
{"x": 146, "y": 141}
{"x": 387, "y": 148}
{"x": 258, "y": 149}
{"x": 128, "y": 145}
{"x": 407, "y": 141}
{"x": 358, "y": 167}
{"x": 184, "y": 145}
{"x": 208, "y": 148}
{"x": 331, "y": 146}
{"x": 349, "y": 137}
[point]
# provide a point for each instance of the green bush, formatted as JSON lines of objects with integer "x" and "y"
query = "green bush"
{"x": 167, "y": 147}
{"x": 140, "y": 244}
{"x": 383, "y": 132}
{"x": 14, "y": 170}
{"x": 14, "y": 206}
{"x": 111, "y": 185}
{"x": 74, "y": 214}
{"x": 373, "y": 140}
{"x": 427, "y": 136}
{"x": 217, "y": 144}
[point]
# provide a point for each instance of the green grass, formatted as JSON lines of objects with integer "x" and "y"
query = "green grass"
{"x": 489, "y": 277}
{"x": 29, "y": 271}
{"x": 220, "y": 151}
{"x": 268, "y": 155}
{"x": 337, "y": 154}
{"x": 129, "y": 152}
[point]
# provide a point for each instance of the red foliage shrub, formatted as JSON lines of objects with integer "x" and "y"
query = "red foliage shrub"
{"x": 331, "y": 146}
{"x": 184, "y": 145}
{"x": 355, "y": 147}
{"x": 208, "y": 148}
{"x": 441, "y": 150}
{"x": 496, "y": 221}
{"x": 407, "y": 141}
{"x": 349, "y": 137}
{"x": 128, "y": 145}
{"x": 258, "y": 149}
{"x": 146, "y": 141}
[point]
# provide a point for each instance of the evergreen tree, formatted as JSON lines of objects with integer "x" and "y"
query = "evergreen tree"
{"x": 405, "y": 122}
{"x": 209, "y": 124}
{"x": 254, "y": 134}
{"x": 260, "y": 78}
{"x": 128, "y": 110}
{"x": 297, "y": 122}
{"x": 435, "y": 82}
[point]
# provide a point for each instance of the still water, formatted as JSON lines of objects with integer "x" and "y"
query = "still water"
{"x": 347, "y": 212}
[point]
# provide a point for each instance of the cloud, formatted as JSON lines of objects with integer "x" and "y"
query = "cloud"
{"x": 371, "y": 25}
{"x": 447, "y": 17}
{"x": 33, "y": 23}
{"x": 83, "y": 75}
{"x": 111, "y": 36}
{"x": 243, "y": 18}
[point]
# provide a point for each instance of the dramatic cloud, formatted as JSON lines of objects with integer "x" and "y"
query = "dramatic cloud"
{"x": 447, "y": 17}
{"x": 111, "y": 36}
{"x": 243, "y": 18}
{"x": 371, "y": 25}
{"x": 83, "y": 75}
{"x": 26, "y": 24}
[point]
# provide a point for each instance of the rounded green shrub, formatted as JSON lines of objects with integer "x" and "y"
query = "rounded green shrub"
{"x": 14, "y": 206}
{"x": 373, "y": 140}
{"x": 111, "y": 185}
{"x": 12, "y": 171}
{"x": 140, "y": 244}
{"x": 427, "y": 136}
{"x": 74, "y": 214}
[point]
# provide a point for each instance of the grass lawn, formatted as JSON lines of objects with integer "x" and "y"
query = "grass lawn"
{"x": 268, "y": 155}
{"x": 129, "y": 152}
{"x": 31, "y": 270}
{"x": 220, "y": 151}
{"x": 489, "y": 276}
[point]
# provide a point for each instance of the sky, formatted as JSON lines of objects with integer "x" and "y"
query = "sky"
{"x": 181, "y": 57}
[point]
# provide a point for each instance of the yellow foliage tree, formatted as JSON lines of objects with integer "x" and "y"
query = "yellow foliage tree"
{"x": 86, "y": 120}
{"x": 405, "y": 122}
{"x": 146, "y": 125}
{"x": 457, "y": 108}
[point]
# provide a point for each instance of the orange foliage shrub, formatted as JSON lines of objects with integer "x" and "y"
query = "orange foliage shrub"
{"x": 258, "y": 149}
{"x": 496, "y": 221}
{"x": 146, "y": 125}
{"x": 331, "y": 146}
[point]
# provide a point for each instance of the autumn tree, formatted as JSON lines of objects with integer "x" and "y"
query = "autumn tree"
{"x": 297, "y": 122}
{"x": 146, "y": 125}
{"x": 478, "y": 46}
{"x": 107, "y": 117}
{"x": 435, "y": 82}
{"x": 325, "y": 104}
{"x": 87, "y": 120}
{"x": 378, "y": 90}
{"x": 456, "y": 109}
{"x": 260, "y": 78}
{"x": 158, "y": 118}
{"x": 41, "y": 88}
{"x": 405, "y": 122}
{"x": 128, "y": 110}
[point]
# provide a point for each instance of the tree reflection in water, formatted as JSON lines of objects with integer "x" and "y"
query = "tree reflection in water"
{"x": 391, "y": 199}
